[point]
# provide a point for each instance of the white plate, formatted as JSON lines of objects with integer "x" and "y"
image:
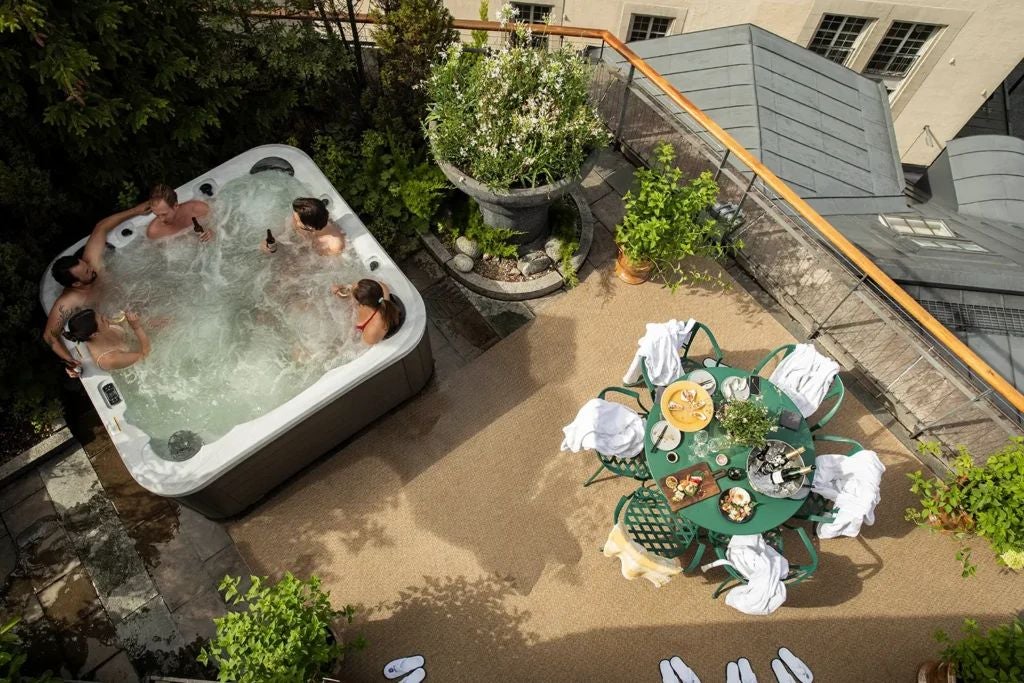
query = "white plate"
{"x": 703, "y": 378}
{"x": 735, "y": 389}
{"x": 670, "y": 440}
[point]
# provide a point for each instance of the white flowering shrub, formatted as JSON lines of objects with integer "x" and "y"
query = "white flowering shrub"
{"x": 517, "y": 117}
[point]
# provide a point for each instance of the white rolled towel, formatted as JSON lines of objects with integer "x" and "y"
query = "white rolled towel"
{"x": 660, "y": 348}
{"x": 606, "y": 427}
{"x": 854, "y": 483}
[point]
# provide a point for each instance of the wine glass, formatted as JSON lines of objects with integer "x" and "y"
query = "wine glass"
{"x": 700, "y": 444}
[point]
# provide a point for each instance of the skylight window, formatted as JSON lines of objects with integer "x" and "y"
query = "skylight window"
{"x": 908, "y": 225}
{"x": 948, "y": 245}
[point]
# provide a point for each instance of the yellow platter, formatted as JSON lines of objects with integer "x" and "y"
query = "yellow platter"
{"x": 687, "y": 406}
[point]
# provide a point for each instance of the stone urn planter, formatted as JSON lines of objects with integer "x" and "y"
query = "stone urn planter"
{"x": 523, "y": 210}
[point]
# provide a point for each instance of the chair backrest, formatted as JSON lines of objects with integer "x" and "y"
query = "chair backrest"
{"x": 652, "y": 524}
{"x": 785, "y": 350}
{"x": 836, "y": 390}
{"x": 797, "y": 572}
{"x": 684, "y": 354}
{"x": 635, "y": 467}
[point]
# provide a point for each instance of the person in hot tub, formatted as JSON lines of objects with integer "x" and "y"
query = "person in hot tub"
{"x": 108, "y": 341}
{"x": 312, "y": 223}
{"x": 173, "y": 218}
{"x": 379, "y": 313}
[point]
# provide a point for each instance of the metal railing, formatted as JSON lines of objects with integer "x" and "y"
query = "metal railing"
{"x": 931, "y": 381}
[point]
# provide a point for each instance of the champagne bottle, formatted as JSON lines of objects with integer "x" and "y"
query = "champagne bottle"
{"x": 271, "y": 242}
{"x": 196, "y": 227}
{"x": 780, "y": 477}
{"x": 795, "y": 453}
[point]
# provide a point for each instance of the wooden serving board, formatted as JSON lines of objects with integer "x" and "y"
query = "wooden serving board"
{"x": 708, "y": 487}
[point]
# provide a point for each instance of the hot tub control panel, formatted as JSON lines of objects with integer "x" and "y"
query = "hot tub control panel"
{"x": 110, "y": 395}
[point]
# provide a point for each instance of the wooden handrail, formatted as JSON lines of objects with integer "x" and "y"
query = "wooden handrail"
{"x": 926, "y": 320}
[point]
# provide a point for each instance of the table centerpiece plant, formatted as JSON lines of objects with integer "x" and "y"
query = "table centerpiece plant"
{"x": 994, "y": 656}
{"x": 513, "y": 127}
{"x": 976, "y": 500}
{"x": 283, "y": 635}
{"x": 746, "y": 422}
{"x": 667, "y": 221}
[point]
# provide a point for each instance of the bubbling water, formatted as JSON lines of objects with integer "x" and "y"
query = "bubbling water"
{"x": 235, "y": 332}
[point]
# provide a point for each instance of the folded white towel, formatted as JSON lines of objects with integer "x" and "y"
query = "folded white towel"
{"x": 763, "y": 568}
{"x": 660, "y": 348}
{"x": 805, "y": 376}
{"x": 853, "y": 482}
{"x": 606, "y": 427}
{"x": 636, "y": 561}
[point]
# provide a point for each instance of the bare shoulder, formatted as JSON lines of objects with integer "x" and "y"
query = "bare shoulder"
{"x": 196, "y": 207}
{"x": 157, "y": 229}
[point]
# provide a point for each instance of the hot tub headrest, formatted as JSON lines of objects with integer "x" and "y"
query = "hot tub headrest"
{"x": 401, "y": 316}
{"x": 272, "y": 164}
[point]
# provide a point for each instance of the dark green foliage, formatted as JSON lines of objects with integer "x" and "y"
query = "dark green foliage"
{"x": 564, "y": 220}
{"x": 409, "y": 35}
{"x": 101, "y": 98}
{"x": 12, "y": 658}
{"x": 464, "y": 219}
{"x": 996, "y": 656}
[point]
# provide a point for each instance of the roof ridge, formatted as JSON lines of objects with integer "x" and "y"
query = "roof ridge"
{"x": 757, "y": 105}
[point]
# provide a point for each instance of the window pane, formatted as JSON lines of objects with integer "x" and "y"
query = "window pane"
{"x": 836, "y": 36}
{"x": 899, "y": 49}
{"x": 642, "y": 27}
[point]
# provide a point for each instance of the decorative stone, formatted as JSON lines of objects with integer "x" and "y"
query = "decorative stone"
{"x": 488, "y": 257}
{"x": 553, "y": 248}
{"x": 462, "y": 263}
{"x": 534, "y": 263}
{"x": 467, "y": 247}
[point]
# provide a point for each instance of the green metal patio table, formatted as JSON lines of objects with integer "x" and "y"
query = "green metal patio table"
{"x": 769, "y": 512}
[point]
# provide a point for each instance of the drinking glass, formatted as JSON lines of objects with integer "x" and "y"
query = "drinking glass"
{"x": 700, "y": 445}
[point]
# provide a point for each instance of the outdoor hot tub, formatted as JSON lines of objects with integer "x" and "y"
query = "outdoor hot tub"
{"x": 227, "y": 475}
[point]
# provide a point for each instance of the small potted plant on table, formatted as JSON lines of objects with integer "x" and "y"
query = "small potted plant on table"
{"x": 666, "y": 222}
{"x": 996, "y": 656}
{"x": 283, "y": 635}
{"x": 746, "y": 422}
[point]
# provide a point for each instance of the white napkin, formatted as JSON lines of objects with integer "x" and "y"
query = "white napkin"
{"x": 606, "y": 427}
{"x": 805, "y": 376}
{"x": 636, "y": 561}
{"x": 660, "y": 349}
{"x": 763, "y": 568}
{"x": 853, "y": 482}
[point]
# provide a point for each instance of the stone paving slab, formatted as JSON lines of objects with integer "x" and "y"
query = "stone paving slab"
{"x": 19, "y": 489}
{"x": 172, "y": 562}
{"x": 206, "y": 537}
{"x": 228, "y": 562}
{"x": 89, "y": 643}
{"x": 133, "y": 503}
{"x": 609, "y": 210}
{"x": 194, "y": 619}
{"x": 604, "y": 248}
{"x": 594, "y": 187}
{"x": 504, "y": 317}
{"x": 19, "y": 600}
{"x": 118, "y": 669}
{"x": 70, "y": 598}
{"x": 422, "y": 270}
{"x": 148, "y": 629}
{"x": 45, "y": 552}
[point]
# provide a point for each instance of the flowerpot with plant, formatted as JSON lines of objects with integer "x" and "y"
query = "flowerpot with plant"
{"x": 995, "y": 656}
{"x": 513, "y": 128}
{"x": 283, "y": 634}
{"x": 746, "y": 422}
{"x": 977, "y": 500}
{"x": 667, "y": 221}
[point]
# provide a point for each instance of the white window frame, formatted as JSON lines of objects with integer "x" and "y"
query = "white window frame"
{"x": 928, "y": 233}
{"x": 857, "y": 41}
{"x": 534, "y": 14}
{"x": 649, "y": 30}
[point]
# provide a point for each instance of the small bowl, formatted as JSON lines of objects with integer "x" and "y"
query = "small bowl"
{"x": 725, "y": 496}
{"x": 672, "y": 457}
{"x": 722, "y": 459}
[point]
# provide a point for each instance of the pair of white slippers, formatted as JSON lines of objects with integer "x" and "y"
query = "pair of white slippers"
{"x": 409, "y": 667}
{"x": 787, "y": 667}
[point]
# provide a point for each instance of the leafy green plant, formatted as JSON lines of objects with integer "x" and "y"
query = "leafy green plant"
{"x": 479, "y": 38}
{"x": 746, "y": 422}
{"x": 983, "y": 500}
{"x": 12, "y": 658}
{"x": 465, "y": 220}
{"x": 282, "y": 635}
{"x": 565, "y": 227}
{"x": 995, "y": 656}
{"x": 667, "y": 221}
{"x": 516, "y": 117}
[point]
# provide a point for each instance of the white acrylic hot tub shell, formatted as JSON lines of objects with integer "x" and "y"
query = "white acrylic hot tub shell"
{"x": 216, "y": 459}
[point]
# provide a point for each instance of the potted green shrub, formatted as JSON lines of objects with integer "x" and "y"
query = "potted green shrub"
{"x": 667, "y": 221}
{"x": 977, "y": 500}
{"x": 513, "y": 128}
{"x": 995, "y": 656}
{"x": 746, "y": 422}
{"x": 283, "y": 635}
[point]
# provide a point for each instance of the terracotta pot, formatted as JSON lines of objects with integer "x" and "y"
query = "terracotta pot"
{"x": 958, "y": 523}
{"x": 937, "y": 672}
{"x": 632, "y": 272}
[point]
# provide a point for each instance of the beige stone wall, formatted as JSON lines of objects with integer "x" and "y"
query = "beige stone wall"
{"x": 961, "y": 66}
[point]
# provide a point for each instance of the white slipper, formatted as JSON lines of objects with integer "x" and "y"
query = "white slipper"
{"x": 400, "y": 667}
{"x": 782, "y": 674}
{"x": 746, "y": 673}
{"x": 667, "y": 675}
{"x": 685, "y": 673}
{"x": 732, "y": 673}
{"x": 800, "y": 671}
{"x": 415, "y": 677}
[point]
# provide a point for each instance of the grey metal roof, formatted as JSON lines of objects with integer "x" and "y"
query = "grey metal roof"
{"x": 822, "y": 128}
{"x": 981, "y": 175}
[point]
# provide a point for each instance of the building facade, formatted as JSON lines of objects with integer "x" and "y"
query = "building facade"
{"x": 940, "y": 60}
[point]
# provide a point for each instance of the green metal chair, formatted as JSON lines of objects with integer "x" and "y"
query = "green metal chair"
{"x": 636, "y": 467}
{"x": 798, "y": 573}
{"x": 688, "y": 363}
{"x": 651, "y": 523}
{"x": 835, "y": 392}
{"x": 816, "y": 508}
